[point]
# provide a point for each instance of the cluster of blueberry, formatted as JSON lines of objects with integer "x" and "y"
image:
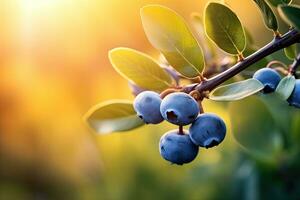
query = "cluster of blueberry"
{"x": 270, "y": 79}
{"x": 180, "y": 146}
{"x": 207, "y": 130}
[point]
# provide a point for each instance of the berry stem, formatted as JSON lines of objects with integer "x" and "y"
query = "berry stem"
{"x": 201, "y": 110}
{"x": 180, "y": 132}
{"x": 276, "y": 63}
{"x": 281, "y": 70}
{"x": 295, "y": 65}
{"x": 168, "y": 91}
{"x": 291, "y": 37}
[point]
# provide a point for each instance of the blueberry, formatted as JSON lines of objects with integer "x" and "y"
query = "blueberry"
{"x": 294, "y": 99}
{"x": 177, "y": 148}
{"x": 179, "y": 108}
{"x": 207, "y": 130}
{"x": 269, "y": 78}
{"x": 147, "y": 105}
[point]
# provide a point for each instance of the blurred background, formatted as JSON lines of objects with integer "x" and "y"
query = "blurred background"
{"x": 54, "y": 67}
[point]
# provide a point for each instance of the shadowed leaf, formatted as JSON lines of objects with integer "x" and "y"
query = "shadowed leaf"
{"x": 224, "y": 28}
{"x": 268, "y": 15}
{"x": 253, "y": 128}
{"x": 290, "y": 14}
{"x": 291, "y": 52}
{"x": 112, "y": 116}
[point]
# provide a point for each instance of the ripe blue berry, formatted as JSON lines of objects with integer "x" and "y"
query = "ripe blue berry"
{"x": 294, "y": 99}
{"x": 207, "y": 130}
{"x": 179, "y": 108}
{"x": 269, "y": 78}
{"x": 147, "y": 105}
{"x": 177, "y": 148}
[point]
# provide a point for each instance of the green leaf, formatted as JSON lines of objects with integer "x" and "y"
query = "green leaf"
{"x": 286, "y": 118}
{"x": 275, "y": 106}
{"x": 291, "y": 52}
{"x": 286, "y": 87}
{"x": 253, "y": 128}
{"x": 208, "y": 47}
{"x": 112, "y": 116}
{"x": 295, "y": 127}
{"x": 224, "y": 28}
{"x": 169, "y": 33}
{"x": 268, "y": 15}
{"x": 140, "y": 69}
{"x": 279, "y": 2}
{"x": 236, "y": 91}
{"x": 291, "y": 15}
{"x": 249, "y": 38}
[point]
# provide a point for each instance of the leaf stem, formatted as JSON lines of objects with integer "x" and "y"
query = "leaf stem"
{"x": 201, "y": 110}
{"x": 295, "y": 65}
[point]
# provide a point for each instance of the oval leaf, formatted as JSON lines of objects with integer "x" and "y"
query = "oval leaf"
{"x": 208, "y": 47}
{"x": 268, "y": 15}
{"x": 275, "y": 106}
{"x": 291, "y": 15}
{"x": 254, "y": 128}
{"x": 286, "y": 87}
{"x": 249, "y": 37}
{"x": 112, "y": 116}
{"x": 279, "y": 2}
{"x": 140, "y": 69}
{"x": 236, "y": 91}
{"x": 291, "y": 52}
{"x": 224, "y": 28}
{"x": 168, "y": 33}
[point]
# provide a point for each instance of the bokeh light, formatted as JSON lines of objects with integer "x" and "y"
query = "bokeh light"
{"x": 54, "y": 67}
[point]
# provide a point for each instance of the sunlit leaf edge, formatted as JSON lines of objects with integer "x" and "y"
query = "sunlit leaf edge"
{"x": 88, "y": 114}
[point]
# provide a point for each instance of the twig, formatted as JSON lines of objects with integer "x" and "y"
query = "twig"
{"x": 291, "y": 37}
{"x": 295, "y": 65}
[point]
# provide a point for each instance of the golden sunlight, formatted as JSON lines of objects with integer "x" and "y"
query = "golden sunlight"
{"x": 38, "y": 4}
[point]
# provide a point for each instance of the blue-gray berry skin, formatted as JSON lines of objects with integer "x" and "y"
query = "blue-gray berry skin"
{"x": 207, "y": 130}
{"x": 147, "y": 106}
{"x": 269, "y": 78}
{"x": 294, "y": 99}
{"x": 179, "y": 108}
{"x": 177, "y": 148}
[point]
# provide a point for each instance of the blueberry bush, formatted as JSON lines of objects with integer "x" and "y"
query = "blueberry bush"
{"x": 219, "y": 62}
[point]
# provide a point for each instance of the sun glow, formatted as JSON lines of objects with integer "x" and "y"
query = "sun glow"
{"x": 38, "y": 4}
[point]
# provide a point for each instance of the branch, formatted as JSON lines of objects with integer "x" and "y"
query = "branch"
{"x": 291, "y": 37}
{"x": 295, "y": 65}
